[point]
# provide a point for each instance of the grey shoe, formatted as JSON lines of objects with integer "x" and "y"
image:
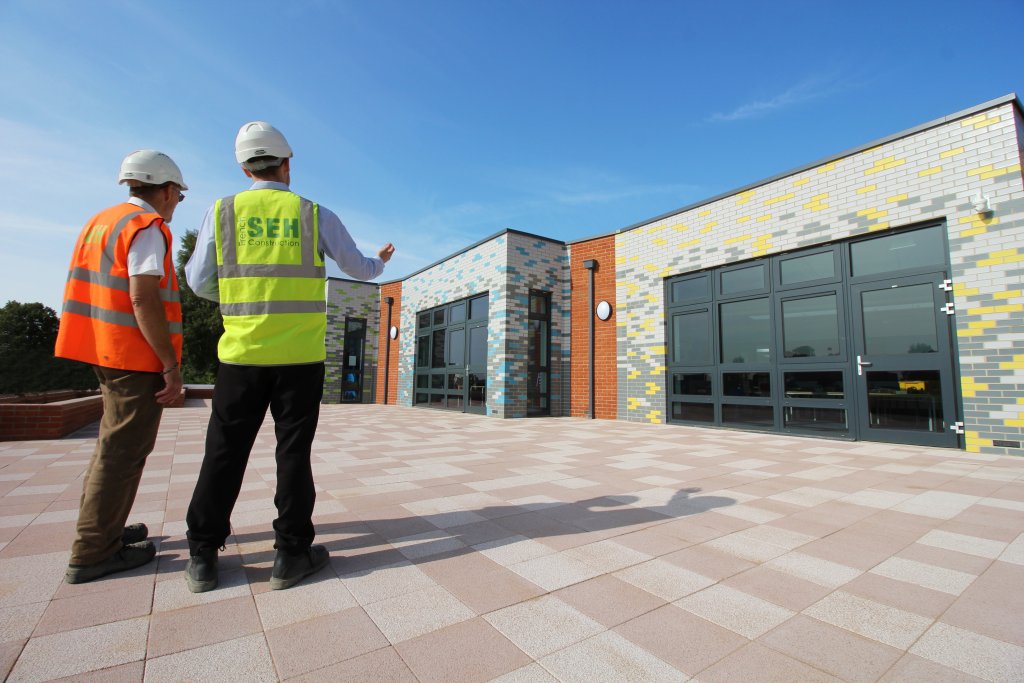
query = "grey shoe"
{"x": 290, "y": 569}
{"x": 135, "y": 533}
{"x": 201, "y": 572}
{"x": 128, "y": 557}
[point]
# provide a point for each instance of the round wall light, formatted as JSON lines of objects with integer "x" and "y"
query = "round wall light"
{"x": 393, "y": 332}
{"x": 604, "y": 310}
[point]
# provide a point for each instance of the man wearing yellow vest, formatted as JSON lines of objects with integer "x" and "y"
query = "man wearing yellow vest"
{"x": 260, "y": 253}
{"x": 122, "y": 315}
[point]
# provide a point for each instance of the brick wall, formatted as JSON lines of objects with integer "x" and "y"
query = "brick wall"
{"x": 602, "y": 250}
{"x": 350, "y": 299}
{"x": 392, "y": 289}
{"x": 27, "y": 421}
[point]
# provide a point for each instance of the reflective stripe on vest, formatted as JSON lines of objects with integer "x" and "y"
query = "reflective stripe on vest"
{"x": 271, "y": 275}
{"x": 98, "y": 324}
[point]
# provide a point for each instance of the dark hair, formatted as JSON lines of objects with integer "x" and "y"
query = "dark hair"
{"x": 146, "y": 192}
{"x": 270, "y": 165}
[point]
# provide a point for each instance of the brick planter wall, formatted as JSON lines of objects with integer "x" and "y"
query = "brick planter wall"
{"x": 26, "y": 421}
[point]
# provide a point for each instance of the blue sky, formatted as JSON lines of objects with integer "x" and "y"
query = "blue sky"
{"x": 433, "y": 124}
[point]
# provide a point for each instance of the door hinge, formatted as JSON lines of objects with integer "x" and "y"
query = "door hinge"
{"x": 957, "y": 427}
{"x": 949, "y": 309}
{"x": 947, "y": 285}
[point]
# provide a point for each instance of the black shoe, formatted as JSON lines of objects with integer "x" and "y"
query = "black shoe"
{"x": 128, "y": 557}
{"x": 290, "y": 569}
{"x": 135, "y": 533}
{"x": 201, "y": 572}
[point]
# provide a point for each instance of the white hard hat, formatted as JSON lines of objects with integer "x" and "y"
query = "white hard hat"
{"x": 260, "y": 139}
{"x": 149, "y": 167}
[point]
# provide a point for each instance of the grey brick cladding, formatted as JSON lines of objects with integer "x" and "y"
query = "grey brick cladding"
{"x": 351, "y": 299}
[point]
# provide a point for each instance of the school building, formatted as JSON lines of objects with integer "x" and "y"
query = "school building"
{"x": 875, "y": 295}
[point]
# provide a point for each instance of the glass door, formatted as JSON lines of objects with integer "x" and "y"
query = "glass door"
{"x": 352, "y": 366}
{"x": 902, "y": 361}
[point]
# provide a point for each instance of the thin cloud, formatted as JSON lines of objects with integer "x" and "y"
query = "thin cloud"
{"x": 806, "y": 91}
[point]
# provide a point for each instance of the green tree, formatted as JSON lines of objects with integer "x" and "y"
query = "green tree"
{"x": 202, "y": 325}
{"x": 27, "y": 335}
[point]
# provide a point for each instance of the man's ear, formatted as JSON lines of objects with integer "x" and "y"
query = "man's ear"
{"x": 247, "y": 172}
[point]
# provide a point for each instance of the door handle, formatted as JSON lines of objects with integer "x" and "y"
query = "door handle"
{"x": 861, "y": 364}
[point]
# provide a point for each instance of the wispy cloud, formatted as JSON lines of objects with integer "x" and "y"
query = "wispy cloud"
{"x": 813, "y": 88}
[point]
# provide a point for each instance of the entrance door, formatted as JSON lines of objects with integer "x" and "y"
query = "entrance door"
{"x": 902, "y": 358}
{"x": 352, "y": 364}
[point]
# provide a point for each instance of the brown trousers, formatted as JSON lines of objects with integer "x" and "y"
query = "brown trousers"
{"x": 131, "y": 418}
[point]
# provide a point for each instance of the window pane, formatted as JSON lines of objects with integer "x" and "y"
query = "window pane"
{"x": 458, "y": 312}
{"x": 901, "y": 251}
{"x": 477, "y": 389}
{"x": 423, "y": 351}
{"x": 439, "y": 316}
{"x": 437, "y": 400}
{"x": 828, "y": 419}
{"x": 758, "y": 416}
{"x": 814, "y": 385}
{"x": 746, "y": 332}
{"x": 743, "y": 280}
{"x": 455, "y": 402}
{"x": 424, "y": 320}
{"x": 810, "y": 327}
{"x": 694, "y": 412}
{"x": 478, "y": 346}
{"x": 746, "y": 384}
{"x": 538, "y": 304}
{"x": 478, "y": 308}
{"x": 691, "y": 290}
{"x": 422, "y": 381}
{"x": 808, "y": 268}
{"x": 900, "y": 320}
{"x": 905, "y": 400}
{"x": 457, "y": 347}
{"x": 455, "y": 381}
{"x": 437, "y": 381}
{"x": 696, "y": 384}
{"x": 422, "y": 397}
{"x": 691, "y": 338}
{"x": 537, "y": 346}
{"x": 437, "y": 357}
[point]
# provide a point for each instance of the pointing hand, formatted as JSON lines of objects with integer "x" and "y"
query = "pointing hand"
{"x": 386, "y": 251}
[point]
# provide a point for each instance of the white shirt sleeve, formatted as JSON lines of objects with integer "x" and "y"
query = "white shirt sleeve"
{"x": 146, "y": 253}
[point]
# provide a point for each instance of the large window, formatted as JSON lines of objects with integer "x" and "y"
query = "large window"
{"x": 451, "y": 356}
{"x": 810, "y": 341}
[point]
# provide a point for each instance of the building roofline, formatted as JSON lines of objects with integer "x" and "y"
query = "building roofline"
{"x": 991, "y": 104}
{"x": 470, "y": 248}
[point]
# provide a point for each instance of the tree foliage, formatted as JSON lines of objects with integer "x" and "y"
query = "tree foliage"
{"x": 27, "y": 364}
{"x": 202, "y": 324}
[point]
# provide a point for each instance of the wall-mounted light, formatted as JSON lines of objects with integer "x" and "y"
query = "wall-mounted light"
{"x": 604, "y": 310}
{"x": 393, "y": 332}
{"x": 981, "y": 203}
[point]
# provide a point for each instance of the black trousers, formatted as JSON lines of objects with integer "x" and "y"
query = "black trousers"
{"x": 241, "y": 397}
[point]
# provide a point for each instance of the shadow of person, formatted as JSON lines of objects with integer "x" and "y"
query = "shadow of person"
{"x": 435, "y": 536}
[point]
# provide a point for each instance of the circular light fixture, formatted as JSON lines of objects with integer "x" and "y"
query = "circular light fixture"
{"x": 604, "y": 310}
{"x": 393, "y": 332}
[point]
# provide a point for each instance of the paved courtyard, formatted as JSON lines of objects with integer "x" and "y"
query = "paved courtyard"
{"x": 467, "y": 548}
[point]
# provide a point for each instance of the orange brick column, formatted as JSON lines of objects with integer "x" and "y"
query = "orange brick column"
{"x": 602, "y": 250}
{"x": 394, "y": 290}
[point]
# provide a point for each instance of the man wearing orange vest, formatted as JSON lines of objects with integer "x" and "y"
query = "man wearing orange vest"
{"x": 122, "y": 315}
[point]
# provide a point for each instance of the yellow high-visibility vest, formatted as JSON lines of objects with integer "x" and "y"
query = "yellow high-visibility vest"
{"x": 271, "y": 275}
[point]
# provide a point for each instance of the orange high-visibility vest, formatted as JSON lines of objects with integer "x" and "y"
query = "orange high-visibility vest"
{"x": 98, "y": 324}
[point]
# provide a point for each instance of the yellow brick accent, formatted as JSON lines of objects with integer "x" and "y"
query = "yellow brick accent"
{"x": 929, "y": 171}
{"x": 980, "y": 170}
{"x": 632, "y": 403}
{"x": 802, "y": 181}
{"x": 970, "y": 388}
{"x": 744, "y": 197}
{"x": 741, "y": 238}
{"x": 633, "y": 374}
{"x": 650, "y": 267}
{"x": 619, "y": 260}
{"x": 631, "y": 354}
{"x": 817, "y": 202}
{"x": 652, "y": 388}
{"x": 658, "y": 370}
{"x": 867, "y": 188}
{"x": 951, "y": 153}
{"x": 896, "y": 198}
{"x": 743, "y": 219}
{"x": 710, "y": 224}
{"x": 827, "y": 167}
{"x": 885, "y": 164}
{"x": 659, "y": 350}
{"x": 776, "y": 200}
{"x": 970, "y": 333}
{"x": 998, "y": 258}
{"x": 660, "y": 241}
{"x": 766, "y": 217}
{"x": 878, "y": 226}
{"x": 985, "y": 310}
{"x": 960, "y": 289}
{"x": 873, "y": 213}
{"x": 1014, "y": 423}
{"x": 686, "y": 245}
{"x": 1011, "y": 294}
{"x": 656, "y": 228}
{"x": 705, "y": 230}
{"x": 1013, "y": 365}
{"x": 680, "y": 227}
{"x": 973, "y": 444}
{"x": 705, "y": 212}
{"x": 654, "y": 417}
{"x": 980, "y": 121}
{"x": 1000, "y": 171}
{"x": 971, "y": 232}
{"x": 981, "y": 324}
